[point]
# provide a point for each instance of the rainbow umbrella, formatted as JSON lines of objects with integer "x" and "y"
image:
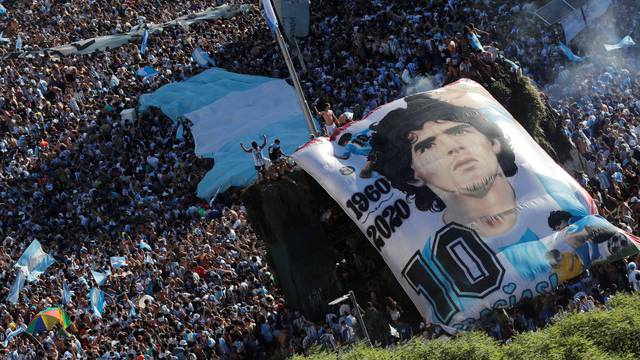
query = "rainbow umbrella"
{"x": 48, "y": 319}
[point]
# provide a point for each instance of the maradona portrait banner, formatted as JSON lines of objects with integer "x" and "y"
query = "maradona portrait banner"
{"x": 467, "y": 210}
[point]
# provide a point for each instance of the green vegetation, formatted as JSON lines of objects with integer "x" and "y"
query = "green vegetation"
{"x": 520, "y": 96}
{"x": 612, "y": 334}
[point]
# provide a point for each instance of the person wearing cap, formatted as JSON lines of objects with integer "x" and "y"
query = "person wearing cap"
{"x": 345, "y": 118}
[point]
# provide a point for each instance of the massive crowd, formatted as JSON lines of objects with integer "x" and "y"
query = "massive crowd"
{"x": 90, "y": 184}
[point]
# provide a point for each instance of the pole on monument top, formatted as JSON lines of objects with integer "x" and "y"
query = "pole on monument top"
{"x": 272, "y": 20}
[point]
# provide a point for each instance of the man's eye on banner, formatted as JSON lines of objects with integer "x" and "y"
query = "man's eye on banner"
{"x": 470, "y": 214}
{"x": 451, "y": 161}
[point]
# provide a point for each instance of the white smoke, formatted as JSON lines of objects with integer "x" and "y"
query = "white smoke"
{"x": 529, "y": 8}
{"x": 601, "y": 31}
{"x": 420, "y": 84}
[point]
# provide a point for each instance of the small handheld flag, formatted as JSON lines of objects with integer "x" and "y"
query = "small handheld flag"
{"x": 626, "y": 42}
{"x": 569, "y": 54}
{"x": 96, "y": 297}
{"x": 202, "y": 58}
{"x": 66, "y": 294}
{"x": 34, "y": 261}
{"x": 100, "y": 278}
{"x": 118, "y": 261}
{"x": 147, "y": 73}
{"x": 145, "y": 39}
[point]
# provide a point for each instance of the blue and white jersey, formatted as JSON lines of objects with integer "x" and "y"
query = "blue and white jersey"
{"x": 521, "y": 252}
{"x": 359, "y": 143}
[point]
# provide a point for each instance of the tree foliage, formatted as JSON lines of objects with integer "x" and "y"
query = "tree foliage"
{"x": 604, "y": 334}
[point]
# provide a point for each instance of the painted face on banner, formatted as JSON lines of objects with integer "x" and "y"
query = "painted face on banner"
{"x": 453, "y": 157}
{"x": 467, "y": 222}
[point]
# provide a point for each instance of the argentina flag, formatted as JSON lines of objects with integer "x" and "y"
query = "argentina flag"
{"x": 626, "y": 42}
{"x": 144, "y": 246}
{"x": 132, "y": 310}
{"x": 569, "y": 53}
{"x": 225, "y": 109}
{"x": 99, "y": 277}
{"x": 18, "y": 285}
{"x": 96, "y": 297}
{"x": 145, "y": 39}
{"x": 12, "y": 335}
{"x": 202, "y": 58}
{"x": 147, "y": 73}
{"x": 34, "y": 261}
{"x": 118, "y": 261}
{"x": 66, "y": 293}
{"x": 3, "y": 10}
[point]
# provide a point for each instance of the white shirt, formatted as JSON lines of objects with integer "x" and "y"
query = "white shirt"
{"x": 258, "y": 158}
{"x": 633, "y": 276}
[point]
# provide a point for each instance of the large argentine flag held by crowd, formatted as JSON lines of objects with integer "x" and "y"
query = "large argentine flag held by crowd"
{"x": 228, "y": 108}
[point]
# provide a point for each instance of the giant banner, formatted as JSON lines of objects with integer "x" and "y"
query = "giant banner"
{"x": 467, "y": 210}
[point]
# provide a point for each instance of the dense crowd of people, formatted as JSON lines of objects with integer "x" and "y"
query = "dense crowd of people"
{"x": 90, "y": 184}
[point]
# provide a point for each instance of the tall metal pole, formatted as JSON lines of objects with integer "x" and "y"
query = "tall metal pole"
{"x": 296, "y": 83}
{"x": 299, "y": 53}
{"x": 356, "y": 308}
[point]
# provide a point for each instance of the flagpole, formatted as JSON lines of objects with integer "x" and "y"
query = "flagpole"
{"x": 292, "y": 70}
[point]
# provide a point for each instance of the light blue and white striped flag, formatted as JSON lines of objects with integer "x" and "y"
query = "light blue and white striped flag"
{"x": 272, "y": 19}
{"x": 18, "y": 284}
{"x": 3, "y": 10}
{"x": 569, "y": 53}
{"x": 18, "y": 43}
{"x": 180, "y": 132}
{"x": 145, "y": 40}
{"x": 4, "y": 39}
{"x": 132, "y": 310}
{"x": 34, "y": 261}
{"x": 626, "y": 42}
{"x": 99, "y": 277}
{"x": 202, "y": 58}
{"x": 118, "y": 261}
{"x": 66, "y": 293}
{"x": 252, "y": 106}
{"x": 147, "y": 73}
{"x": 144, "y": 246}
{"x": 79, "y": 348}
{"x": 96, "y": 297}
{"x": 13, "y": 334}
